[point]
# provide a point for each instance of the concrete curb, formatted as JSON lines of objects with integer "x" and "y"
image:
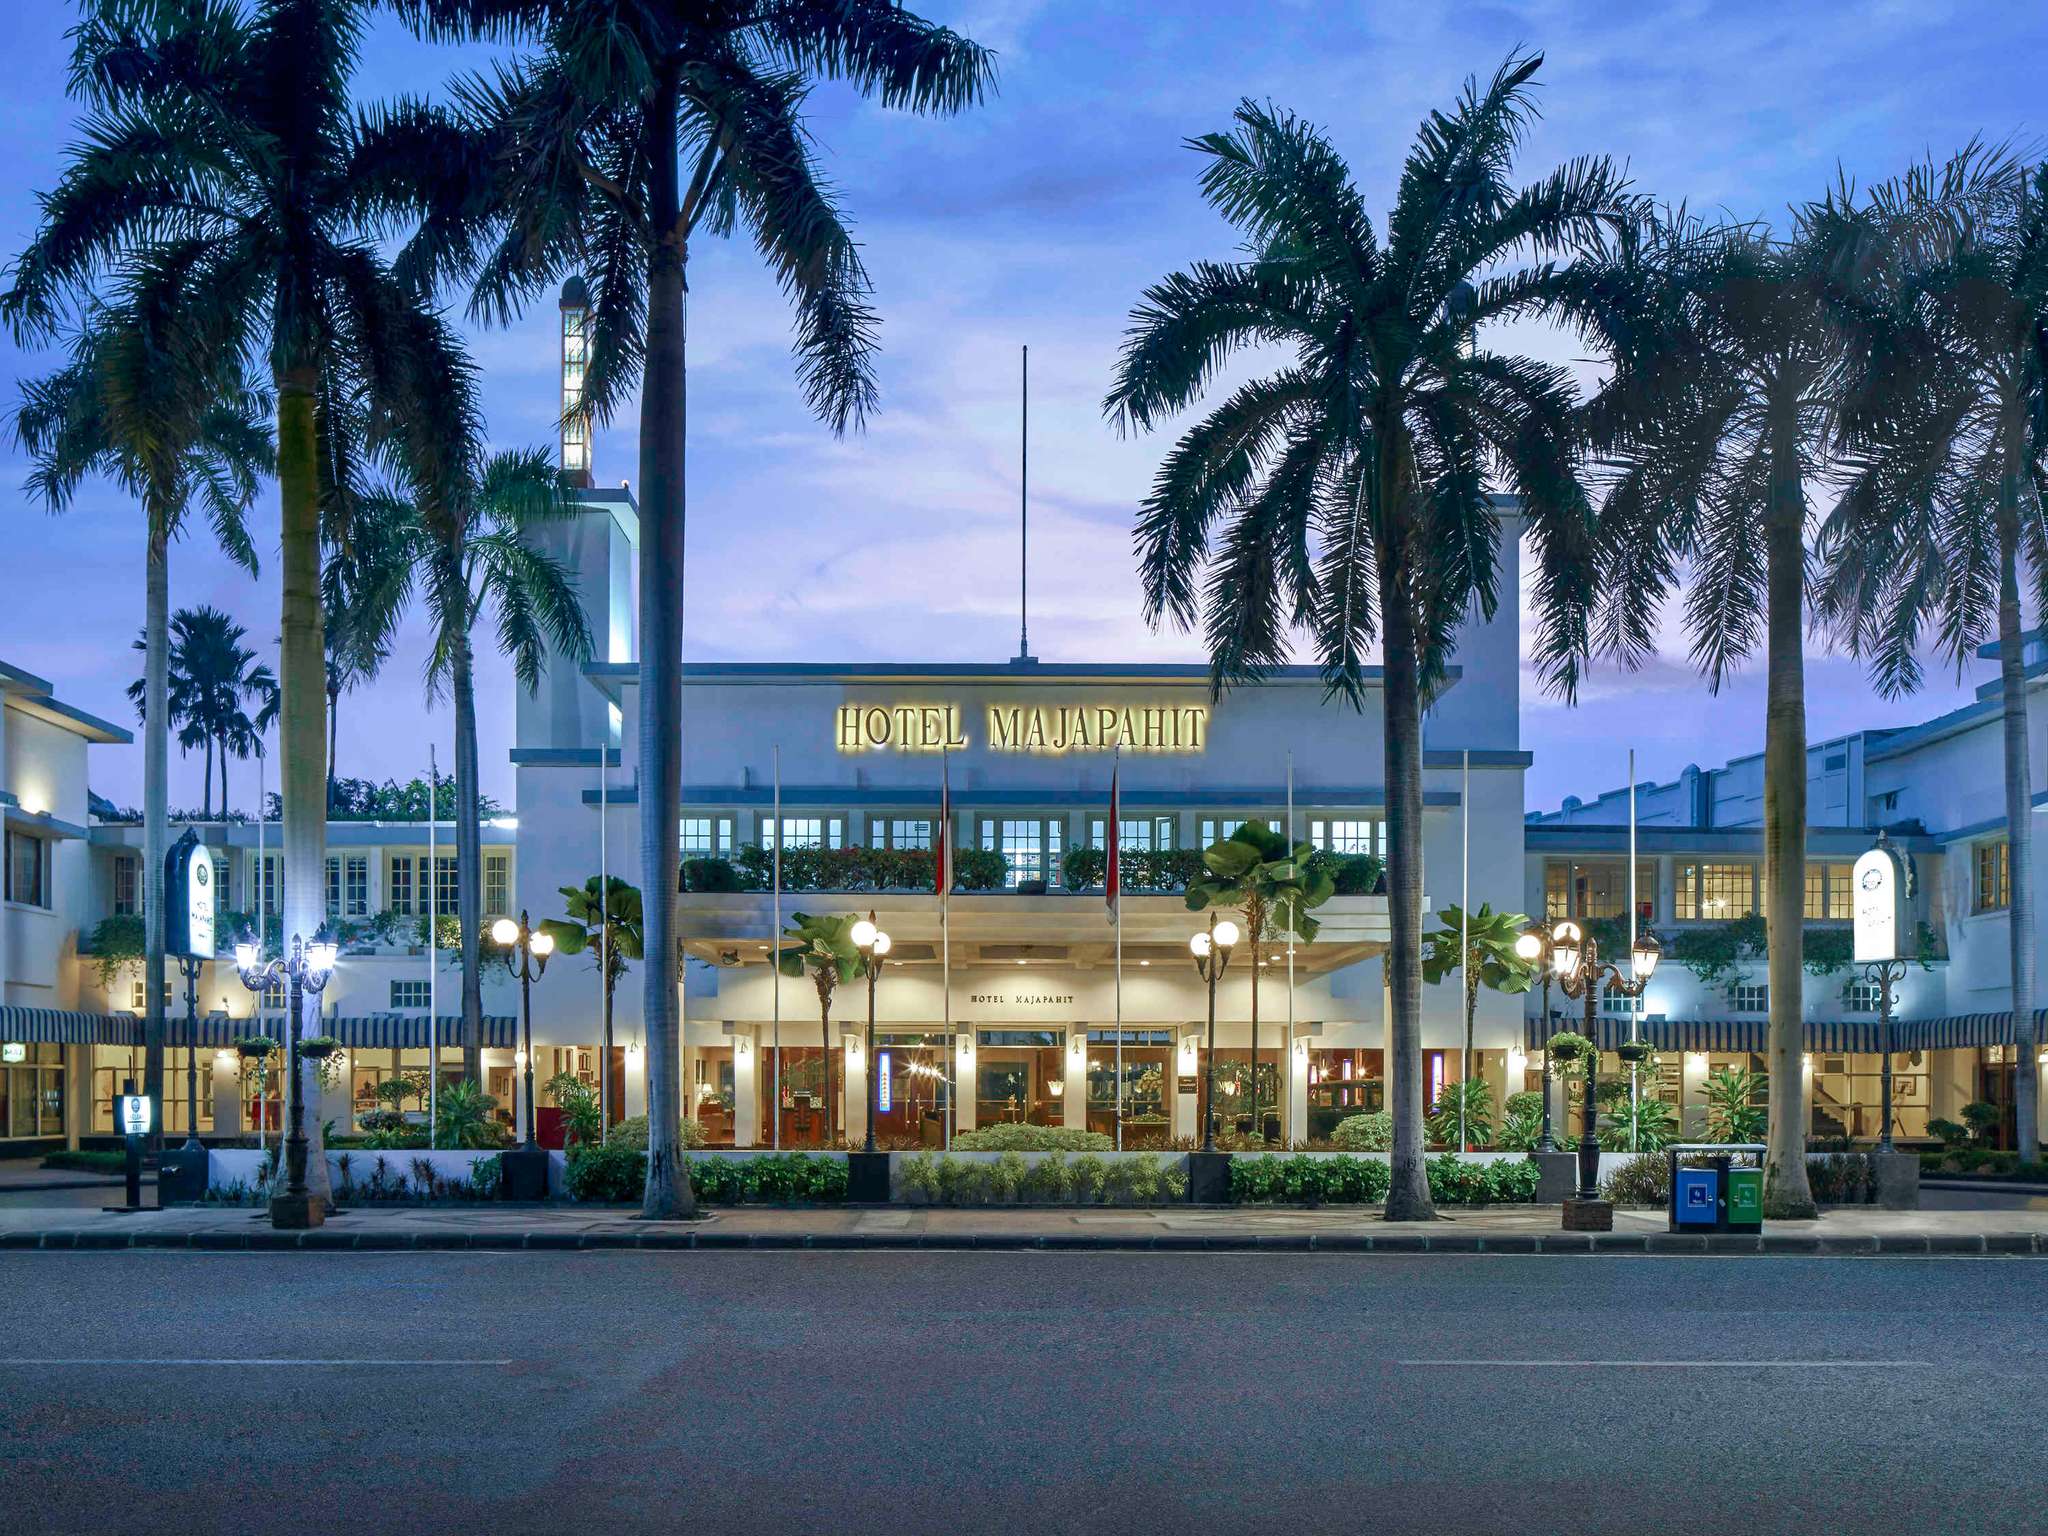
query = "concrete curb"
{"x": 330, "y": 1239}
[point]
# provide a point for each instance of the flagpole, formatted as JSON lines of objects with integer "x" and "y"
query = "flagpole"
{"x": 604, "y": 928}
{"x": 775, "y": 969}
{"x": 1634, "y": 1018}
{"x": 945, "y": 879}
{"x": 262, "y": 938}
{"x": 1117, "y": 914}
{"x": 1465, "y": 937}
{"x": 433, "y": 990}
{"x": 1292, "y": 873}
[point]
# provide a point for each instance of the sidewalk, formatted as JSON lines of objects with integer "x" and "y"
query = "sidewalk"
{"x": 1516, "y": 1229}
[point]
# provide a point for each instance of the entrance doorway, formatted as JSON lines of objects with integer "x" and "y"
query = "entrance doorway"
{"x": 1147, "y": 1080}
{"x": 1018, "y": 1077}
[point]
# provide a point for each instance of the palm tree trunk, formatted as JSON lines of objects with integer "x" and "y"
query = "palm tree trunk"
{"x": 206, "y": 800}
{"x": 1787, "y": 1195}
{"x": 662, "y": 425}
{"x": 825, "y": 1029}
{"x": 1254, "y": 928}
{"x": 1408, "y": 1197}
{"x": 302, "y": 694}
{"x": 224, "y": 779}
{"x": 1469, "y": 983}
{"x": 156, "y": 817}
{"x": 469, "y": 854}
{"x": 2019, "y": 821}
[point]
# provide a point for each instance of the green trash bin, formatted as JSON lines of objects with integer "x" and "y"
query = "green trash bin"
{"x": 1745, "y": 1195}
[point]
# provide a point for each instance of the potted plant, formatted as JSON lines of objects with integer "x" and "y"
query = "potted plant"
{"x": 255, "y": 1047}
{"x": 318, "y": 1047}
{"x": 1633, "y": 1052}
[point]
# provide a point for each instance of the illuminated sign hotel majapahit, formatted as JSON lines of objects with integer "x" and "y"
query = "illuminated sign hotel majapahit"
{"x": 1024, "y": 728}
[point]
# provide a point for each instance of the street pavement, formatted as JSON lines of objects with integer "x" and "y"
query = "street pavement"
{"x": 908, "y": 1392}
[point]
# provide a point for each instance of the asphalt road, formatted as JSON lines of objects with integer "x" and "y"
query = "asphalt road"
{"x": 913, "y": 1392}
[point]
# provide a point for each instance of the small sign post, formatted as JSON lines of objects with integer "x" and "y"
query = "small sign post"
{"x": 136, "y": 1115}
{"x": 1883, "y": 880}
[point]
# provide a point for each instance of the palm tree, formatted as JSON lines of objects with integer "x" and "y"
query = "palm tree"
{"x": 1940, "y": 524}
{"x": 604, "y": 917}
{"x": 1481, "y": 948}
{"x": 212, "y": 675}
{"x": 1351, "y": 486}
{"x": 219, "y": 144}
{"x": 131, "y": 403}
{"x": 824, "y": 950}
{"x": 1722, "y": 411}
{"x": 1273, "y": 886}
{"x": 630, "y": 131}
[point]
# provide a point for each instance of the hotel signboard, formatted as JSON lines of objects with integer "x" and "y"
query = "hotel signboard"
{"x": 1051, "y": 728}
{"x": 189, "y": 905}
{"x": 1882, "y": 880}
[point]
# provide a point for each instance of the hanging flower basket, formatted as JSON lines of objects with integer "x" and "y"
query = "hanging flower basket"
{"x": 1566, "y": 1048}
{"x": 1633, "y": 1052}
{"x": 255, "y": 1047}
{"x": 319, "y": 1047}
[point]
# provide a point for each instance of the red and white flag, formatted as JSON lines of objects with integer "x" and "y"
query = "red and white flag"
{"x": 1112, "y": 871}
{"x": 942, "y": 878}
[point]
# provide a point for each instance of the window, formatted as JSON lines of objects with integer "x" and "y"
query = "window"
{"x": 1613, "y": 1000}
{"x": 222, "y": 898}
{"x": 410, "y": 994}
{"x": 1750, "y": 997}
{"x": 1860, "y": 997}
{"x": 1597, "y": 889}
{"x": 707, "y": 837}
{"x": 445, "y": 892}
{"x": 1213, "y": 829}
{"x": 28, "y": 869}
{"x": 575, "y": 429}
{"x": 1030, "y": 845}
{"x": 127, "y": 885}
{"x": 1715, "y": 892}
{"x": 1994, "y": 875}
{"x": 497, "y": 884}
{"x": 1828, "y": 895}
{"x": 806, "y": 832}
{"x": 270, "y": 878}
{"x": 273, "y": 994}
{"x": 348, "y": 885}
{"x": 398, "y": 885}
{"x": 901, "y": 833}
{"x": 1354, "y": 836}
{"x": 138, "y": 996}
{"x": 1135, "y": 834}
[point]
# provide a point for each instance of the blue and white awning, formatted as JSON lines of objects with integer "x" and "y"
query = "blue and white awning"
{"x": 1962, "y": 1031}
{"x": 362, "y": 1032}
{"x": 60, "y": 1026}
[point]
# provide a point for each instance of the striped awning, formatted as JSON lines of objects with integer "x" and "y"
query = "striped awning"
{"x": 363, "y": 1032}
{"x": 59, "y": 1026}
{"x": 1964, "y": 1031}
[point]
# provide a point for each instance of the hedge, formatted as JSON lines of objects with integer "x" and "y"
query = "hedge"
{"x": 1304, "y": 1179}
{"x": 1033, "y": 1138}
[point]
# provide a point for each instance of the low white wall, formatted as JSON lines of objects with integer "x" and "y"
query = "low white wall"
{"x": 226, "y": 1166}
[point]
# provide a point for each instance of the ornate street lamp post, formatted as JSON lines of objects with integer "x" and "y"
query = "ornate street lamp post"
{"x": 531, "y": 947}
{"x": 305, "y": 969}
{"x": 1532, "y": 945}
{"x": 1575, "y": 957}
{"x": 1211, "y": 948}
{"x": 873, "y": 945}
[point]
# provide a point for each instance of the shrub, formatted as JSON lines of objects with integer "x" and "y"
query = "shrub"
{"x": 1982, "y": 1117}
{"x": 1307, "y": 1180}
{"x": 1731, "y": 1116}
{"x": 632, "y": 1132}
{"x": 1650, "y": 1119}
{"x": 1006, "y": 1177}
{"x": 1523, "y": 1126}
{"x": 1049, "y": 1179}
{"x": 1644, "y": 1180}
{"x": 1476, "y": 1100}
{"x": 1088, "y": 1173}
{"x": 606, "y": 1174}
{"x": 1364, "y": 1133}
{"x": 918, "y": 1178}
{"x": 1032, "y": 1138}
{"x": 1840, "y": 1178}
{"x": 1951, "y": 1134}
{"x": 781, "y": 1177}
{"x": 710, "y": 875}
{"x": 88, "y": 1162}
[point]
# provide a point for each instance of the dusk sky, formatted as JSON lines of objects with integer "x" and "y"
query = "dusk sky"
{"x": 1038, "y": 220}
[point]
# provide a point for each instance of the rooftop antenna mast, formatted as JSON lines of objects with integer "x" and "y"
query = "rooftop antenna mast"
{"x": 1024, "y": 517}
